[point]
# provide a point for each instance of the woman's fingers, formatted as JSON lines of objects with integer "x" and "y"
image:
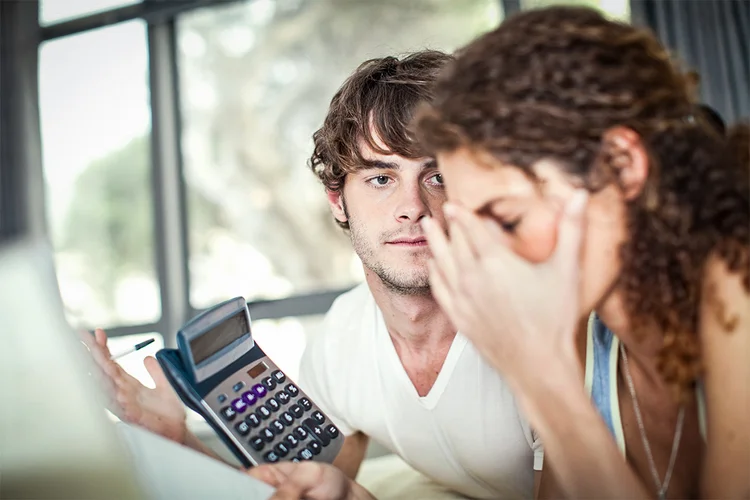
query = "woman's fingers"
{"x": 440, "y": 248}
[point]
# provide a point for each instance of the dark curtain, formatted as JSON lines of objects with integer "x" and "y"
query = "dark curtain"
{"x": 21, "y": 178}
{"x": 711, "y": 37}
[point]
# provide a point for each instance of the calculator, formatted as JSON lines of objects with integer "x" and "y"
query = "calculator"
{"x": 259, "y": 413}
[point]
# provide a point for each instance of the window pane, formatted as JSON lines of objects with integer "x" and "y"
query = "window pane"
{"x": 616, "y": 9}
{"x": 55, "y": 11}
{"x": 256, "y": 81}
{"x": 95, "y": 121}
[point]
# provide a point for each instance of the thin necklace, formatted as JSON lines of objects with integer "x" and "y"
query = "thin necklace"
{"x": 661, "y": 487}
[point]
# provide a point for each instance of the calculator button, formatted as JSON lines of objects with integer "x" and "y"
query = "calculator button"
{"x": 281, "y": 449}
{"x": 296, "y": 460}
{"x": 286, "y": 418}
{"x": 221, "y": 398}
{"x": 263, "y": 412}
{"x": 318, "y": 417}
{"x": 259, "y": 390}
{"x": 252, "y": 420}
{"x": 316, "y": 431}
{"x": 300, "y": 433}
{"x": 271, "y": 457}
{"x": 305, "y": 454}
{"x": 292, "y": 390}
{"x": 238, "y": 386}
{"x": 279, "y": 376}
{"x": 257, "y": 443}
{"x": 242, "y": 428}
{"x": 269, "y": 382}
{"x": 273, "y": 405}
{"x": 291, "y": 441}
{"x": 267, "y": 435}
{"x": 249, "y": 397}
{"x": 305, "y": 403}
{"x": 277, "y": 427}
{"x": 314, "y": 447}
{"x": 296, "y": 410}
{"x": 228, "y": 413}
{"x": 283, "y": 398}
{"x": 239, "y": 405}
{"x": 332, "y": 431}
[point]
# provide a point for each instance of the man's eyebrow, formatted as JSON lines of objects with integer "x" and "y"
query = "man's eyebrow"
{"x": 385, "y": 165}
{"x": 430, "y": 164}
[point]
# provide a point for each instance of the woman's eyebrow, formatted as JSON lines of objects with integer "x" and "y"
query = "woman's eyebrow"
{"x": 486, "y": 208}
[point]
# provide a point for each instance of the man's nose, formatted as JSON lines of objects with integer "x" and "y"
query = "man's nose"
{"x": 412, "y": 204}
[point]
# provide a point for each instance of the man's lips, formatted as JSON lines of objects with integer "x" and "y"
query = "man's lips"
{"x": 409, "y": 242}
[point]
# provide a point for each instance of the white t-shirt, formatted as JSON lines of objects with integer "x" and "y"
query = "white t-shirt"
{"x": 467, "y": 433}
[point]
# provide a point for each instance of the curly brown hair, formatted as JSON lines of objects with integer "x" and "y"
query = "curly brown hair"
{"x": 381, "y": 96}
{"x": 549, "y": 83}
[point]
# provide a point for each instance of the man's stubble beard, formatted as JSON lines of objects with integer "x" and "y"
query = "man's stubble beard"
{"x": 399, "y": 283}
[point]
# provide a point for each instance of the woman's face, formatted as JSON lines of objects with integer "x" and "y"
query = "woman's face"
{"x": 529, "y": 211}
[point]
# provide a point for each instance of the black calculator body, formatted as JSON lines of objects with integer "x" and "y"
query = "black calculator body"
{"x": 263, "y": 417}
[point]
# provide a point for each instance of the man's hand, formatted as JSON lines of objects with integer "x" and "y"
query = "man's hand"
{"x": 158, "y": 410}
{"x": 309, "y": 481}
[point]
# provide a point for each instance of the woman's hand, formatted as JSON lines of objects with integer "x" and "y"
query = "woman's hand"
{"x": 159, "y": 410}
{"x": 309, "y": 480}
{"x": 520, "y": 315}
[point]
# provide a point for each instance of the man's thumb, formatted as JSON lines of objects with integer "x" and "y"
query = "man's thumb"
{"x": 157, "y": 374}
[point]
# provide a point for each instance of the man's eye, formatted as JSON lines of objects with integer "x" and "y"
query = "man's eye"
{"x": 436, "y": 179}
{"x": 380, "y": 180}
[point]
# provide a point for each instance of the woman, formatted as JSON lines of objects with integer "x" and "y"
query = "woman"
{"x": 581, "y": 179}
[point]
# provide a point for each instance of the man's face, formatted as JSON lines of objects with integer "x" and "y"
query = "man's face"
{"x": 384, "y": 206}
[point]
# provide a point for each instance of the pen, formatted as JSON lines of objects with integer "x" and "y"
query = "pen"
{"x": 136, "y": 347}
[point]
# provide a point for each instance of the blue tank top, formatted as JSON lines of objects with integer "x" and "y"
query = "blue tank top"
{"x": 602, "y": 357}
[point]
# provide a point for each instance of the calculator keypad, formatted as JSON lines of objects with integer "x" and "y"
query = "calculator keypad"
{"x": 277, "y": 421}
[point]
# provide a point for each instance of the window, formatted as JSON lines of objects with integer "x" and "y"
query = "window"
{"x": 95, "y": 121}
{"x": 55, "y": 11}
{"x": 256, "y": 81}
{"x": 616, "y": 9}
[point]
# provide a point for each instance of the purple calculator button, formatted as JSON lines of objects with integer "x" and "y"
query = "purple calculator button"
{"x": 259, "y": 390}
{"x": 249, "y": 398}
{"x": 239, "y": 405}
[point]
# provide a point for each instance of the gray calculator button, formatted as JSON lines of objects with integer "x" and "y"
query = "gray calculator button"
{"x": 238, "y": 386}
{"x": 318, "y": 417}
{"x": 273, "y": 405}
{"x": 279, "y": 376}
{"x": 305, "y": 454}
{"x": 228, "y": 413}
{"x": 283, "y": 398}
{"x": 221, "y": 398}
{"x": 252, "y": 420}
{"x": 267, "y": 435}
{"x": 281, "y": 449}
{"x": 286, "y": 418}
{"x": 277, "y": 427}
{"x": 315, "y": 447}
{"x": 332, "y": 431}
{"x": 291, "y": 441}
{"x": 271, "y": 457}
{"x": 292, "y": 390}
{"x": 300, "y": 433}
{"x": 264, "y": 412}
{"x": 296, "y": 410}
{"x": 242, "y": 428}
{"x": 257, "y": 443}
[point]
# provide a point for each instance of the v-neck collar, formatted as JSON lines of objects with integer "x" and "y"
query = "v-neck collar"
{"x": 429, "y": 400}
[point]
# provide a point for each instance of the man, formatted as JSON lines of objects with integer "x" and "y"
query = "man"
{"x": 388, "y": 365}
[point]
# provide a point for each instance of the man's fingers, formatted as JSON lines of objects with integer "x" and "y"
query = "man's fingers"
{"x": 273, "y": 475}
{"x": 157, "y": 374}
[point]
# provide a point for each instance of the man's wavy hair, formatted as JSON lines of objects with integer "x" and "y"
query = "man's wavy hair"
{"x": 379, "y": 98}
{"x": 547, "y": 84}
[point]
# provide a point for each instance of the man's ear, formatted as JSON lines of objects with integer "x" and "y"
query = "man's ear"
{"x": 630, "y": 159}
{"x": 336, "y": 202}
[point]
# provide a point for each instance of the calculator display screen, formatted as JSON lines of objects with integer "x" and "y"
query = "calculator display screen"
{"x": 218, "y": 337}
